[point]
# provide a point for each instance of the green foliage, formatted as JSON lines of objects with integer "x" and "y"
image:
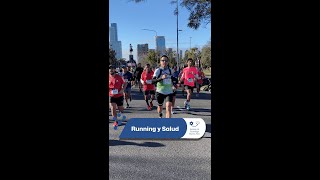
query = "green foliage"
{"x": 122, "y": 62}
{"x": 151, "y": 58}
{"x": 112, "y": 57}
{"x": 193, "y": 53}
{"x": 200, "y": 12}
{"x": 206, "y": 55}
{"x": 172, "y": 58}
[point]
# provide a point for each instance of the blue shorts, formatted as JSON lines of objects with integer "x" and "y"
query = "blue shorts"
{"x": 127, "y": 90}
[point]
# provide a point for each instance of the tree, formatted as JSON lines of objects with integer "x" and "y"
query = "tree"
{"x": 206, "y": 55}
{"x": 151, "y": 58}
{"x": 200, "y": 11}
{"x": 172, "y": 59}
{"x": 112, "y": 57}
{"x": 122, "y": 62}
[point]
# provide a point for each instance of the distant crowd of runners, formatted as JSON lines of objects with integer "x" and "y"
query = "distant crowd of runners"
{"x": 158, "y": 84}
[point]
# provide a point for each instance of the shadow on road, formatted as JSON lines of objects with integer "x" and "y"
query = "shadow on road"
{"x": 199, "y": 110}
{"x": 145, "y": 144}
{"x": 208, "y": 130}
{"x": 136, "y": 95}
{"x": 196, "y": 114}
{"x": 193, "y": 96}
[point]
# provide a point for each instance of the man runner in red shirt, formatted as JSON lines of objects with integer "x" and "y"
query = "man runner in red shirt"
{"x": 189, "y": 76}
{"x": 116, "y": 88}
{"x": 199, "y": 82}
{"x": 148, "y": 87}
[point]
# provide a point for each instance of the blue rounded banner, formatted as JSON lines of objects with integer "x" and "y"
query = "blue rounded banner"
{"x": 162, "y": 128}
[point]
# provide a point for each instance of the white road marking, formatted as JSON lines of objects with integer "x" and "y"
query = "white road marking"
{"x": 181, "y": 109}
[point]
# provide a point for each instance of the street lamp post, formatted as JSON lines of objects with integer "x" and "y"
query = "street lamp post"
{"x": 153, "y": 31}
{"x": 177, "y": 34}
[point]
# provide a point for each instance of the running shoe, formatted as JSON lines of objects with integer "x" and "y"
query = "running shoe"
{"x": 188, "y": 107}
{"x": 128, "y": 106}
{"x": 149, "y": 108}
{"x": 160, "y": 115}
{"x": 115, "y": 125}
{"x": 151, "y": 104}
{"x": 172, "y": 112}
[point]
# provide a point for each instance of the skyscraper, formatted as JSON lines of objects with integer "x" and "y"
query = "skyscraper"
{"x": 142, "y": 51}
{"x": 161, "y": 45}
{"x": 114, "y": 43}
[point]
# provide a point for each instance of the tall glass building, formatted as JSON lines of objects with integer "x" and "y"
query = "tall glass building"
{"x": 114, "y": 43}
{"x": 161, "y": 45}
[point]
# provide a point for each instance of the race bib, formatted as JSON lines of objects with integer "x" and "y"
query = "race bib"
{"x": 167, "y": 81}
{"x": 149, "y": 81}
{"x": 190, "y": 80}
{"x": 115, "y": 91}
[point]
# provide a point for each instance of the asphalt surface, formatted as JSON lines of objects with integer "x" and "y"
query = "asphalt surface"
{"x": 162, "y": 159}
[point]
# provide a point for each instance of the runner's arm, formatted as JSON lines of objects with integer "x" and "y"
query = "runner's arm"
{"x": 182, "y": 78}
{"x": 155, "y": 75}
{"x": 124, "y": 85}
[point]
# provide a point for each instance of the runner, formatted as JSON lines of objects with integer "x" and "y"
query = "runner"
{"x": 182, "y": 83}
{"x": 148, "y": 87}
{"x": 174, "y": 82}
{"x": 120, "y": 72}
{"x": 132, "y": 82}
{"x": 164, "y": 90}
{"x": 127, "y": 76}
{"x": 199, "y": 82}
{"x": 116, "y": 86}
{"x": 189, "y": 75}
{"x": 137, "y": 74}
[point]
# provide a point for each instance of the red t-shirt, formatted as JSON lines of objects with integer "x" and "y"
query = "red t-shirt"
{"x": 201, "y": 76}
{"x": 147, "y": 78}
{"x": 188, "y": 76}
{"x": 115, "y": 85}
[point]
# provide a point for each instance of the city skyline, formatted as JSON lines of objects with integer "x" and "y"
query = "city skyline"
{"x": 113, "y": 40}
{"x": 161, "y": 45}
{"x": 158, "y": 19}
{"x": 142, "y": 50}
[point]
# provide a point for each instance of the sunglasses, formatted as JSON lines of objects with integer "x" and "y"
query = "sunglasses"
{"x": 164, "y": 60}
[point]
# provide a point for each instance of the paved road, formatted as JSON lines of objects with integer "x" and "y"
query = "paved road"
{"x": 162, "y": 159}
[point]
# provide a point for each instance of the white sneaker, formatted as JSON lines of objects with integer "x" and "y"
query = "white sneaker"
{"x": 185, "y": 104}
{"x": 172, "y": 112}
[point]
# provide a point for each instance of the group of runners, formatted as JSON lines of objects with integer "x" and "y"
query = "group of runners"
{"x": 159, "y": 85}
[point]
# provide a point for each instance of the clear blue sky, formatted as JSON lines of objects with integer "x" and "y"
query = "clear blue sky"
{"x": 156, "y": 15}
